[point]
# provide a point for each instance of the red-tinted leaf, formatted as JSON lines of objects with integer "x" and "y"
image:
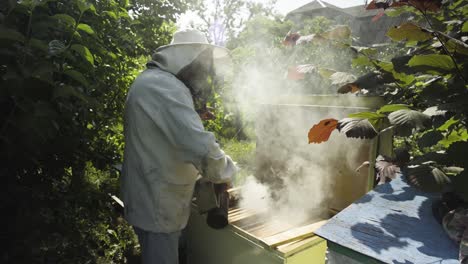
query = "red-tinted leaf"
{"x": 321, "y": 132}
{"x": 290, "y": 39}
{"x": 386, "y": 169}
{"x": 306, "y": 68}
{"x": 305, "y": 39}
{"x": 315, "y": 38}
{"x": 426, "y": 5}
{"x": 378, "y": 16}
{"x": 298, "y": 72}
{"x": 377, "y": 4}
{"x": 294, "y": 74}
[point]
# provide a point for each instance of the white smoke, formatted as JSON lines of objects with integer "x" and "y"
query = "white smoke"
{"x": 296, "y": 181}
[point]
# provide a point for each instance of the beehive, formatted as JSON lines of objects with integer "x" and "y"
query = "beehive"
{"x": 251, "y": 237}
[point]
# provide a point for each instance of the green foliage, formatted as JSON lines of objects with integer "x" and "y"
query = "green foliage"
{"x": 408, "y": 32}
{"x": 437, "y": 61}
{"x": 392, "y": 108}
{"x": 424, "y": 80}
{"x": 65, "y": 67}
{"x": 243, "y": 152}
{"x": 429, "y": 75}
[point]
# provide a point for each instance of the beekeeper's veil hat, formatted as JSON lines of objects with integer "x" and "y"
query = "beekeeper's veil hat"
{"x": 191, "y": 49}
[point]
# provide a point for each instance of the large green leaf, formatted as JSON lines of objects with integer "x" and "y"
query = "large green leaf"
{"x": 357, "y": 128}
{"x": 392, "y": 108}
{"x": 84, "y": 52}
{"x": 448, "y": 124}
{"x": 85, "y": 28}
{"x": 386, "y": 66}
{"x": 361, "y": 61}
{"x": 406, "y": 120}
{"x": 427, "y": 178}
{"x": 366, "y": 115}
{"x": 410, "y": 32}
{"x": 437, "y": 61}
{"x": 11, "y": 34}
{"x": 403, "y": 78}
{"x": 455, "y": 136}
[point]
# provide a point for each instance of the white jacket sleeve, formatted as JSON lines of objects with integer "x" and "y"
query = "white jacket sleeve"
{"x": 184, "y": 129}
{"x": 218, "y": 167}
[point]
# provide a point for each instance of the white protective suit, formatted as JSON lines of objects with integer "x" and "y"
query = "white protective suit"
{"x": 166, "y": 146}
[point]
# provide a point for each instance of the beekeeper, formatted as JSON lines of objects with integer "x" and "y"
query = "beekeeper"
{"x": 166, "y": 145}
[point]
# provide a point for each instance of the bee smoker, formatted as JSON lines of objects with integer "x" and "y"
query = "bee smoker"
{"x": 213, "y": 199}
{"x": 217, "y": 217}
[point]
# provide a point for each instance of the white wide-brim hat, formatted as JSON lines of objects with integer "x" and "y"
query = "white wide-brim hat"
{"x": 192, "y": 37}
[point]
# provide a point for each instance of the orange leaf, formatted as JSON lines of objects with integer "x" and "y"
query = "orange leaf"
{"x": 349, "y": 88}
{"x": 321, "y": 132}
{"x": 294, "y": 73}
{"x": 207, "y": 115}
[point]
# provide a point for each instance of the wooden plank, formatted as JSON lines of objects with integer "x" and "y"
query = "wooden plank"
{"x": 293, "y": 234}
{"x": 270, "y": 228}
{"x": 393, "y": 224}
{"x": 241, "y": 215}
{"x": 299, "y": 245}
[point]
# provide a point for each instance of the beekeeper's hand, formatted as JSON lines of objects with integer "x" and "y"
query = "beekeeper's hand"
{"x": 218, "y": 167}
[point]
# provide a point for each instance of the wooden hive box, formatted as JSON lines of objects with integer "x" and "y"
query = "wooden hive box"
{"x": 250, "y": 238}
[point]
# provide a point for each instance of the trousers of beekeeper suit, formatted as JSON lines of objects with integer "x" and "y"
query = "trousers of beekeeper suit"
{"x": 166, "y": 145}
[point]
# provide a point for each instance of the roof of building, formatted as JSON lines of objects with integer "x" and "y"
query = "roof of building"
{"x": 356, "y": 11}
{"x": 314, "y": 5}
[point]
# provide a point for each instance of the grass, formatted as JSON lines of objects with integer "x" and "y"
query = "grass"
{"x": 242, "y": 152}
